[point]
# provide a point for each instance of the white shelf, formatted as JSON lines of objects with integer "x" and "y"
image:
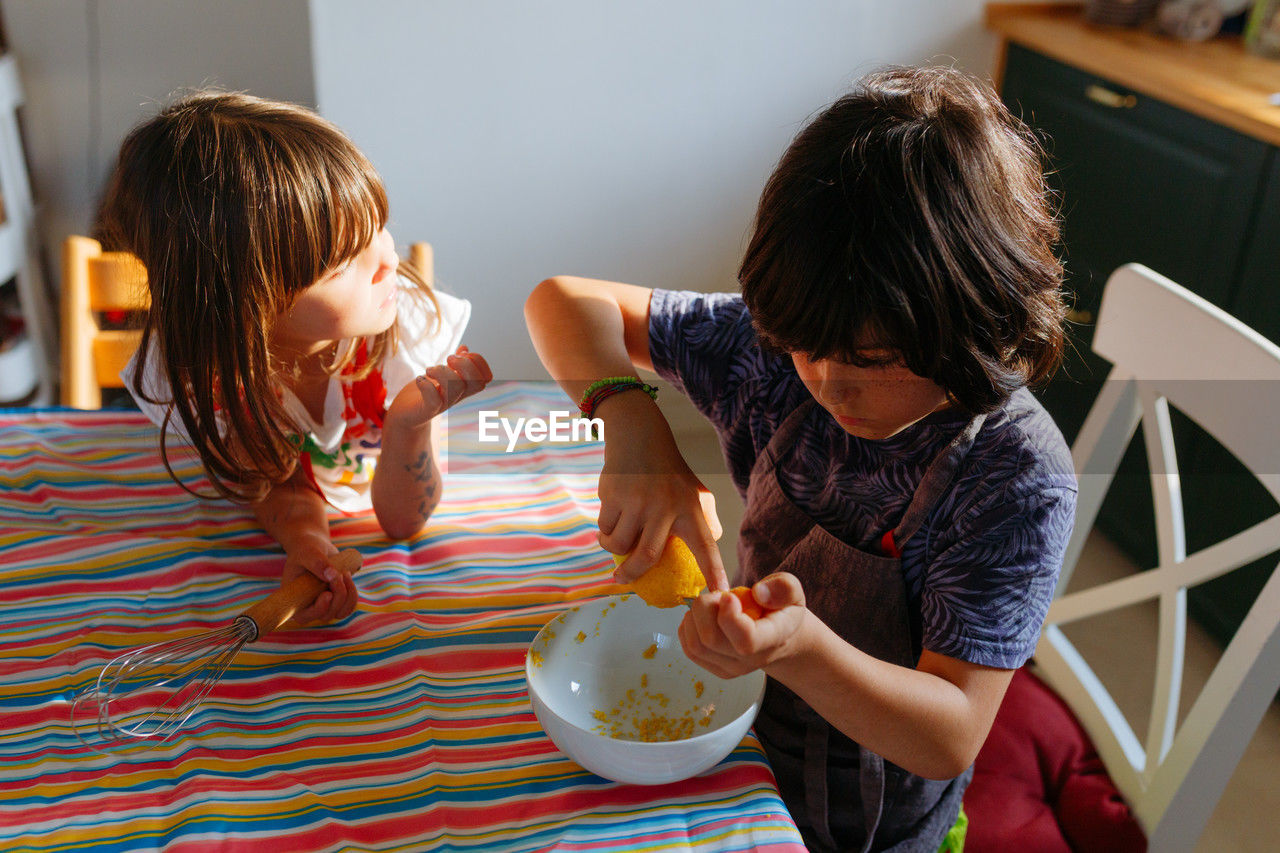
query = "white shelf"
{"x": 18, "y": 371}
{"x": 19, "y": 255}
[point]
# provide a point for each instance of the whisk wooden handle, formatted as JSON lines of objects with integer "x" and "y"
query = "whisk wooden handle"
{"x": 278, "y": 607}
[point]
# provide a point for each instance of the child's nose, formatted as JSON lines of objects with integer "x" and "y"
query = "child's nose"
{"x": 389, "y": 249}
{"x": 388, "y": 262}
{"x": 838, "y": 390}
{"x": 385, "y": 269}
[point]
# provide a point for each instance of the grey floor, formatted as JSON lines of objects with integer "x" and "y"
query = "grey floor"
{"x": 1245, "y": 818}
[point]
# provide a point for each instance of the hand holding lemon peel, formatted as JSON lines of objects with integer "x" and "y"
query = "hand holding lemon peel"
{"x": 676, "y": 579}
{"x": 746, "y": 598}
{"x": 672, "y": 579}
{"x": 750, "y": 606}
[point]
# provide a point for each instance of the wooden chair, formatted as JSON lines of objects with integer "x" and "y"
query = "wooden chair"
{"x": 422, "y": 257}
{"x": 96, "y": 283}
{"x": 1170, "y": 347}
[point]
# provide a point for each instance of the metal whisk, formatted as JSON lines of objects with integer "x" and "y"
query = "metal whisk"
{"x": 151, "y": 691}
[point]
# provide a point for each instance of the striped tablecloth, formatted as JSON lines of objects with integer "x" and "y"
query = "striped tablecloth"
{"x": 405, "y": 727}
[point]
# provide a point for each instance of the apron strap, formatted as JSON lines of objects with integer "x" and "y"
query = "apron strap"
{"x": 784, "y": 437}
{"x": 817, "y": 734}
{"x": 871, "y": 778}
{"x": 933, "y": 485}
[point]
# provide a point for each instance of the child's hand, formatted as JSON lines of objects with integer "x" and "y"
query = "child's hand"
{"x": 463, "y": 374}
{"x": 339, "y": 600}
{"x": 648, "y": 493}
{"x": 718, "y": 636}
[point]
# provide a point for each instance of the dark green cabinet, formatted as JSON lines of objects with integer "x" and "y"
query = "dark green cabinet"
{"x": 1258, "y": 297}
{"x": 1140, "y": 180}
{"x": 1228, "y": 498}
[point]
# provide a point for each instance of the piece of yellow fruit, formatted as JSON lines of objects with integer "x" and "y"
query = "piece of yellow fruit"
{"x": 750, "y": 606}
{"x": 673, "y": 578}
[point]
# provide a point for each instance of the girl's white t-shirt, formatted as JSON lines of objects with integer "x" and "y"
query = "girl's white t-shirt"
{"x": 339, "y": 453}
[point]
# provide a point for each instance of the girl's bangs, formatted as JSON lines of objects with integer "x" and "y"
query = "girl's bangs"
{"x": 360, "y": 211}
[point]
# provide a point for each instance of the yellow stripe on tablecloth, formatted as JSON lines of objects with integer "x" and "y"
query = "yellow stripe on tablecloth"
{"x": 408, "y": 723}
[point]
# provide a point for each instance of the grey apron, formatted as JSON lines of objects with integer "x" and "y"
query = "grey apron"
{"x": 842, "y": 796}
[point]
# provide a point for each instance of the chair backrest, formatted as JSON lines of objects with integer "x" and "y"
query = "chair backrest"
{"x": 1170, "y": 347}
{"x": 95, "y": 283}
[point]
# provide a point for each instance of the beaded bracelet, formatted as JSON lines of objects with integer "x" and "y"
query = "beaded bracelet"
{"x": 602, "y": 389}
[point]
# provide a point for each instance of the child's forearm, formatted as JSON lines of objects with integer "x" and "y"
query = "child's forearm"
{"x": 584, "y": 329}
{"x": 918, "y": 720}
{"x": 406, "y": 485}
{"x": 296, "y": 515}
{"x": 293, "y": 513}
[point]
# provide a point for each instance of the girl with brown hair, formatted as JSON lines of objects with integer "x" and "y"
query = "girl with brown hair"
{"x": 908, "y": 501}
{"x": 285, "y": 342}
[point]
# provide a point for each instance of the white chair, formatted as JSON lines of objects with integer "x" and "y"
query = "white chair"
{"x": 1170, "y": 347}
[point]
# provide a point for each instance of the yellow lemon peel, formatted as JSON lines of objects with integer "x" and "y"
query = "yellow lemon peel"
{"x": 672, "y": 579}
{"x": 651, "y": 717}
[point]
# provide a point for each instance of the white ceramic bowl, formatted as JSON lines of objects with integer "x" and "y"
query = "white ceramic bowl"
{"x": 608, "y": 673}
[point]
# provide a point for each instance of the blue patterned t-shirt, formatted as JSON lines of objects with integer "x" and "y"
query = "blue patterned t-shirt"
{"x": 981, "y": 571}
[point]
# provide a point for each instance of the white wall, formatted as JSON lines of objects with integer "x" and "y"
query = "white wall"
{"x": 611, "y": 138}
{"x": 623, "y": 140}
{"x": 92, "y": 68}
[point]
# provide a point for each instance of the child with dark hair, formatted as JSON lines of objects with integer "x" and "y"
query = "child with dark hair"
{"x": 908, "y": 501}
{"x": 285, "y": 344}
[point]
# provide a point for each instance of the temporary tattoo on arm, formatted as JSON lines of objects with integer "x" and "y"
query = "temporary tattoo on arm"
{"x": 424, "y": 471}
{"x": 420, "y": 468}
{"x": 284, "y": 503}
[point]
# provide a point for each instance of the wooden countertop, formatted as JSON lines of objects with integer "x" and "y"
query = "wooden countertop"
{"x": 1216, "y": 79}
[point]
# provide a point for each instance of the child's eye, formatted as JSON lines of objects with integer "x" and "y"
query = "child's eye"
{"x": 883, "y": 361}
{"x": 873, "y": 358}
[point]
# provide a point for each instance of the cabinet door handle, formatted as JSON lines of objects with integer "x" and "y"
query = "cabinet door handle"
{"x": 1075, "y": 315}
{"x": 1106, "y": 97}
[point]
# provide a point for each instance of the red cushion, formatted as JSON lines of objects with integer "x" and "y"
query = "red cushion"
{"x": 1038, "y": 783}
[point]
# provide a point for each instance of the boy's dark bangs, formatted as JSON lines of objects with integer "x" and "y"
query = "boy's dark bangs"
{"x": 833, "y": 317}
